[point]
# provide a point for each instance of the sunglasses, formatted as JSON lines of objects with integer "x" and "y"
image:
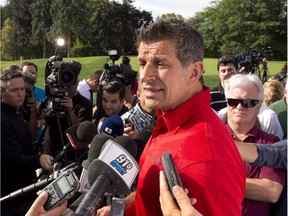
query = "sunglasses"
{"x": 247, "y": 103}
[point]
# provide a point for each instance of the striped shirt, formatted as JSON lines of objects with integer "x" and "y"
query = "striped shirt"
{"x": 218, "y": 99}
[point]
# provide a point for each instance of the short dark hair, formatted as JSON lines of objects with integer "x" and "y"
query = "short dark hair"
{"x": 13, "y": 67}
{"x": 29, "y": 64}
{"x": 189, "y": 42}
{"x": 114, "y": 87}
{"x": 96, "y": 75}
{"x": 224, "y": 60}
{"x": 9, "y": 74}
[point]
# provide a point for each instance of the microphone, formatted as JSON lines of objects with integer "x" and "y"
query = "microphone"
{"x": 100, "y": 123}
{"x": 142, "y": 138}
{"x": 93, "y": 153}
{"x": 112, "y": 126}
{"x": 79, "y": 136}
{"x": 113, "y": 171}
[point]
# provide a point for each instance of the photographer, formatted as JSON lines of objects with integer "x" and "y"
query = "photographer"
{"x": 68, "y": 107}
{"x": 112, "y": 103}
{"x": 29, "y": 106}
{"x": 17, "y": 157}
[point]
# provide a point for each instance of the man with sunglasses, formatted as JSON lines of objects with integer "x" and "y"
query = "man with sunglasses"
{"x": 244, "y": 93}
{"x": 226, "y": 66}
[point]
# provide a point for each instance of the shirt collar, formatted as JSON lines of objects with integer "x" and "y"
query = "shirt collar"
{"x": 185, "y": 111}
{"x": 252, "y": 134}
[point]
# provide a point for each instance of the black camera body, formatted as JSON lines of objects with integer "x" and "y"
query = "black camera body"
{"x": 253, "y": 58}
{"x": 122, "y": 73}
{"x": 59, "y": 76}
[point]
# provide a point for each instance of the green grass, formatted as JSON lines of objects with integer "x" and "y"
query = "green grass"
{"x": 90, "y": 64}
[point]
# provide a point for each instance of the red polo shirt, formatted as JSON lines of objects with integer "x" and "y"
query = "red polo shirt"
{"x": 208, "y": 161}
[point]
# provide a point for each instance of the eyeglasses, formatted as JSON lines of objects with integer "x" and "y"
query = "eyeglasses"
{"x": 247, "y": 103}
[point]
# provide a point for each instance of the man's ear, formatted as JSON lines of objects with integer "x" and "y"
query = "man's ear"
{"x": 195, "y": 71}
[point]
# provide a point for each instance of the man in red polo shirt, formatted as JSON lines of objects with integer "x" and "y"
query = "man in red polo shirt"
{"x": 170, "y": 54}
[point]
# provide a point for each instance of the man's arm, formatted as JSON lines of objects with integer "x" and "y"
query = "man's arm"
{"x": 274, "y": 155}
{"x": 264, "y": 190}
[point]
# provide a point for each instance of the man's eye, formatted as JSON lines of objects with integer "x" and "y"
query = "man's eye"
{"x": 141, "y": 64}
{"x": 161, "y": 65}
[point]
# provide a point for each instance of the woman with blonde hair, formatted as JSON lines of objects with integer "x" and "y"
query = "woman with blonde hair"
{"x": 273, "y": 91}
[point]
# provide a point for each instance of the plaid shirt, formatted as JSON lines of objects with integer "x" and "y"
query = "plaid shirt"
{"x": 138, "y": 117}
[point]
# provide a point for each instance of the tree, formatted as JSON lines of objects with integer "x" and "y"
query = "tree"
{"x": 22, "y": 18}
{"x": 232, "y": 26}
{"x": 114, "y": 27}
{"x": 9, "y": 47}
{"x": 70, "y": 19}
{"x": 41, "y": 23}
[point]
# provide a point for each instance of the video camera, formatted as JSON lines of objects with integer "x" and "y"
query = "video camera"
{"x": 59, "y": 76}
{"x": 253, "y": 58}
{"x": 122, "y": 72}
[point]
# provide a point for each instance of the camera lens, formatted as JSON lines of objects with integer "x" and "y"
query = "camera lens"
{"x": 66, "y": 78}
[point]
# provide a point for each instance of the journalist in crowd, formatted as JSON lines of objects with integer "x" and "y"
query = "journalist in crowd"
{"x": 18, "y": 161}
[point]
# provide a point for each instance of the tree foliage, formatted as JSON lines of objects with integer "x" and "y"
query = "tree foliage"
{"x": 91, "y": 27}
{"x": 41, "y": 23}
{"x": 9, "y": 47}
{"x": 114, "y": 27}
{"x": 232, "y": 26}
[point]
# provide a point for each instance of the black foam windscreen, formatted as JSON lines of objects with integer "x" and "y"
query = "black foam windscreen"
{"x": 86, "y": 131}
{"x": 142, "y": 138}
{"x": 128, "y": 144}
{"x": 96, "y": 146}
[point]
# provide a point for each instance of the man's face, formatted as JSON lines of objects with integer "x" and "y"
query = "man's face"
{"x": 112, "y": 104}
{"x": 241, "y": 115}
{"x": 94, "y": 85}
{"x": 163, "y": 79}
{"x": 30, "y": 68}
{"x": 224, "y": 70}
{"x": 14, "y": 94}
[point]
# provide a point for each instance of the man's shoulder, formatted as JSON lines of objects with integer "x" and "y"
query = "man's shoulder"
{"x": 278, "y": 104}
{"x": 217, "y": 88}
{"x": 39, "y": 90}
{"x": 263, "y": 136}
{"x": 80, "y": 99}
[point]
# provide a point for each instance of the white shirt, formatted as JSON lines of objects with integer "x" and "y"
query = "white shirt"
{"x": 268, "y": 120}
{"x": 84, "y": 89}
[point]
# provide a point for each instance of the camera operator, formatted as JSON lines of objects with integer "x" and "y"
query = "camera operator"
{"x": 17, "y": 158}
{"x": 38, "y": 95}
{"x": 73, "y": 108}
{"x": 29, "y": 106}
{"x": 112, "y": 103}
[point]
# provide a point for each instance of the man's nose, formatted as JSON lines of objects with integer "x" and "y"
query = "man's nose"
{"x": 148, "y": 73}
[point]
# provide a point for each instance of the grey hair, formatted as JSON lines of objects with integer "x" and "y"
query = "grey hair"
{"x": 189, "y": 42}
{"x": 244, "y": 80}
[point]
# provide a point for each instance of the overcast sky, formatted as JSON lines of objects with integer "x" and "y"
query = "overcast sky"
{"x": 186, "y": 8}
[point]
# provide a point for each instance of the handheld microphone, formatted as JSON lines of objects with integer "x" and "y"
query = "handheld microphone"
{"x": 100, "y": 123}
{"x": 142, "y": 138}
{"x": 79, "y": 136}
{"x": 93, "y": 153}
{"x": 113, "y": 171}
{"x": 112, "y": 126}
